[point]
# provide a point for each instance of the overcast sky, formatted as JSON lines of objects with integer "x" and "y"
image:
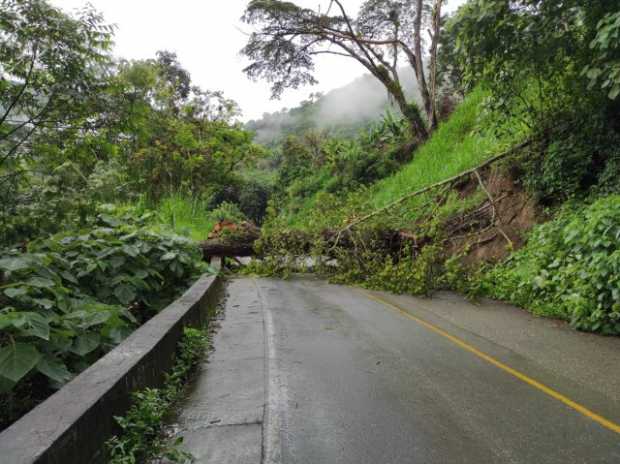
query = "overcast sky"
{"x": 207, "y": 36}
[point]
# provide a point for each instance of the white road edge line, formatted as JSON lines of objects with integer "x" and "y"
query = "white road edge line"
{"x": 275, "y": 391}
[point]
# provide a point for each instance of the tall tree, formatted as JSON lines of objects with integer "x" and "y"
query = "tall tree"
{"x": 289, "y": 37}
{"x": 537, "y": 56}
{"x": 50, "y": 70}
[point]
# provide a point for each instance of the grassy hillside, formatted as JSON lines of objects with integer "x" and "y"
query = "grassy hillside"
{"x": 456, "y": 238}
{"x": 459, "y": 143}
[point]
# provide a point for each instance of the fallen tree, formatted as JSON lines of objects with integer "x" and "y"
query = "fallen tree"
{"x": 230, "y": 240}
{"x": 238, "y": 240}
{"x": 446, "y": 182}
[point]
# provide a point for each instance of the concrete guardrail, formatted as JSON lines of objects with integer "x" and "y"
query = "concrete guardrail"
{"x": 72, "y": 425}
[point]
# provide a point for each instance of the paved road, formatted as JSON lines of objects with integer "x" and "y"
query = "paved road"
{"x": 306, "y": 372}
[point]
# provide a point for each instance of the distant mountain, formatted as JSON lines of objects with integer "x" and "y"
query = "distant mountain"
{"x": 342, "y": 111}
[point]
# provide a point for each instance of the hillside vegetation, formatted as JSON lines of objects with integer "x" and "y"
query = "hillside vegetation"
{"x": 110, "y": 172}
{"x": 546, "y": 107}
{"x": 113, "y": 171}
{"x": 461, "y": 142}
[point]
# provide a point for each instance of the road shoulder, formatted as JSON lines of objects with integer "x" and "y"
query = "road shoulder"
{"x": 221, "y": 418}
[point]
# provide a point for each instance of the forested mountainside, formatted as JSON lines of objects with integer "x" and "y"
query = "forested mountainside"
{"x": 341, "y": 112}
{"x": 480, "y": 153}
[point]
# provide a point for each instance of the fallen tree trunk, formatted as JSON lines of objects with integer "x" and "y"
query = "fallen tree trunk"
{"x": 225, "y": 248}
{"x": 428, "y": 188}
{"x": 230, "y": 241}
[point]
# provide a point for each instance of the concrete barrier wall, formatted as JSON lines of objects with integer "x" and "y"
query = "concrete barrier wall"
{"x": 71, "y": 426}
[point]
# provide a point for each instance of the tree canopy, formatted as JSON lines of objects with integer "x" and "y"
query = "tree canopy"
{"x": 288, "y": 38}
{"x": 52, "y": 68}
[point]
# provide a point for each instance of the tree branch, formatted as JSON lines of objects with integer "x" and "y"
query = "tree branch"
{"x": 428, "y": 188}
{"x": 494, "y": 208}
{"x": 352, "y": 31}
{"x": 23, "y": 89}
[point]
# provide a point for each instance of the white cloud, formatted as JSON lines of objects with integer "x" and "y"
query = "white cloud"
{"x": 207, "y": 36}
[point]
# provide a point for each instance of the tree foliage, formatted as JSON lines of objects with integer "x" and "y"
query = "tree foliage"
{"x": 51, "y": 71}
{"x": 533, "y": 54}
{"x": 605, "y": 68}
{"x": 80, "y": 129}
{"x": 289, "y": 37}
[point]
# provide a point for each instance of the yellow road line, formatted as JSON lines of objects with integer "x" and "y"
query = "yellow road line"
{"x": 491, "y": 360}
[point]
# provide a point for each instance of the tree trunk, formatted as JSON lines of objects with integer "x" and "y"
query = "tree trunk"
{"x": 429, "y": 105}
{"x": 225, "y": 248}
{"x": 230, "y": 240}
{"x": 434, "y": 97}
{"x": 411, "y": 113}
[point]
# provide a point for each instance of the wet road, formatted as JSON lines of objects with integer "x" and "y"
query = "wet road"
{"x": 358, "y": 377}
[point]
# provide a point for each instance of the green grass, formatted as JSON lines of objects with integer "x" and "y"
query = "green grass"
{"x": 457, "y": 145}
{"x": 186, "y": 216}
{"x": 182, "y": 215}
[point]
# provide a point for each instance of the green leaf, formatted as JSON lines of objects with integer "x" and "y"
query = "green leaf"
{"x": 593, "y": 73}
{"x": 86, "y": 343}
{"x": 15, "y": 264}
{"x": 109, "y": 220}
{"x": 44, "y": 302}
{"x": 169, "y": 256}
{"x": 614, "y": 92}
{"x": 117, "y": 261}
{"x": 141, "y": 274}
{"x": 6, "y": 320}
{"x": 40, "y": 282}
{"x": 14, "y": 292}
{"x": 131, "y": 250}
{"x": 125, "y": 293}
{"x": 61, "y": 342}
{"x": 17, "y": 360}
{"x": 54, "y": 369}
{"x": 37, "y": 326}
{"x": 90, "y": 318}
{"x": 70, "y": 277}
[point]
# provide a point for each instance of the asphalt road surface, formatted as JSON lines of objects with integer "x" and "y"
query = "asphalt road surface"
{"x": 307, "y": 372}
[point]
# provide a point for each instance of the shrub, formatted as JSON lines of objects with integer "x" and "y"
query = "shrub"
{"x": 570, "y": 268}
{"x": 609, "y": 181}
{"x": 573, "y": 165}
{"x": 253, "y": 199}
{"x": 563, "y": 170}
{"x": 142, "y": 439}
{"x": 229, "y": 212}
{"x": 68, "y": 299}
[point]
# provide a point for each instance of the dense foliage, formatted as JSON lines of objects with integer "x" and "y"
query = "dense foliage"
{"x": 51, "y": 73}
{"x": 315, "y": 163}
{"x": 569, "y": 269}
{"x": 554, "y": 66}
{"x": 79, "y": 127}
{"x": 93, "y": 152}
{"x": 378, "y": 169}
{"x": 68, "y": 299}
